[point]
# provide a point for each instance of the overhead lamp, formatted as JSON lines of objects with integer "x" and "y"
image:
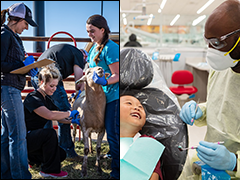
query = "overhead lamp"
{"x": 175, "y": 19}
{"x": 159, "y": 10}
{"x": 150, "y": 19}
{"x": 198, "y": 20}
{"x": 205, "y": 6}
{"x": 163, "y": 4}
{"x": 123, "y": 15}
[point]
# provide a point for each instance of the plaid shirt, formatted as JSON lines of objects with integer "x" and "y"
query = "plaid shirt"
{"x": 12, "y": 56}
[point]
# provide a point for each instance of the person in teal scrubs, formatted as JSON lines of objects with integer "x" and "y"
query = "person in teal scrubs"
{"x": 105, "y": 53}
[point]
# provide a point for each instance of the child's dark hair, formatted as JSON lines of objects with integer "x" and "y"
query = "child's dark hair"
{"x": 10, "y": 18}
{"x": 133, "y": 94}
{"x": 100, "y": 22}
{"x": 126, "y": 93}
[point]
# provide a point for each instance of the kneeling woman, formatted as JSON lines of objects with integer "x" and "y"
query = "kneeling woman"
{"x": 42, "y": 144}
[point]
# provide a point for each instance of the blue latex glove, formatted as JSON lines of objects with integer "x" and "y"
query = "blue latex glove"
{"x": 79, "y": 92}
{"x": 29, "y": 60}
{"x": 188, "y": 112}
{"x": 74, "y": 114}
{"x": 216, "y": 156}
{"x": 76, "y": 121}
{"x": 33, "y": 72}
{"x": 99, "y": 80}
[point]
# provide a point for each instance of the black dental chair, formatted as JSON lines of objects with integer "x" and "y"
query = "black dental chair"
{"x": 162, "y": 121}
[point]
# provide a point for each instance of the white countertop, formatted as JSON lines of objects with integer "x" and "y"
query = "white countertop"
{"x": 198, "y": 63}
{"x": 200, "y": 66}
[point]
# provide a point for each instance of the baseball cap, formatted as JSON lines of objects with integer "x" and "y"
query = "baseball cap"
{"x": 22, "y": 11}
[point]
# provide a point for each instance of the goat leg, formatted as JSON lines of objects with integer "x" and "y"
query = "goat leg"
{"x": 98, "y": 149}
{"x": 90, "y": 144}
{"x": 74, "y": 132}
{"x": 86, "y": 151}
{"x": 84, "y": 165}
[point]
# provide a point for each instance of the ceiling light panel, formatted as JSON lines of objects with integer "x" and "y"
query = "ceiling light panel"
{"x": 204, "y": 6}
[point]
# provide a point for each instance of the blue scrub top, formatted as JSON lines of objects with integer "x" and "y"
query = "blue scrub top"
{"x": 109, "y": 55}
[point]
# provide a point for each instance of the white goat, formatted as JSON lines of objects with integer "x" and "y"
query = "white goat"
{"x": 91, "y": 111}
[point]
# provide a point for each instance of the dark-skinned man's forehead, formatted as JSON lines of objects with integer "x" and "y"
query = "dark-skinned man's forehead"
{"x": 220, "y": 22}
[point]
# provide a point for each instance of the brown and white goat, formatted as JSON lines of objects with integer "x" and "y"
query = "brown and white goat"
{"x": 91, "y": 111}
{"x": 71, "y": 100}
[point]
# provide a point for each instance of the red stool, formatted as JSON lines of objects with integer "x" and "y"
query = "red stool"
{"x": 182, "y": 77}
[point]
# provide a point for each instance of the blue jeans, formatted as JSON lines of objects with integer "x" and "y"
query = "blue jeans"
{"x": 64, "y": 130}
{"x": 14, "y": 157}
{"x": 112, "y": 128}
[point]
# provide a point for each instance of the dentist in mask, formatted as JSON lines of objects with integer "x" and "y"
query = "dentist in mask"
{"x": 221, "y": 112}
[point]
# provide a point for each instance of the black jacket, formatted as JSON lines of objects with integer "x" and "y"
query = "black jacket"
{"x": 12, "y": 56}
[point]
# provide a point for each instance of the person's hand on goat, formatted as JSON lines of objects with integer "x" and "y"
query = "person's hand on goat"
{"x": 76, "y": 121}
{"x": 99, "y": 80}
{"x": 74, "y": 114}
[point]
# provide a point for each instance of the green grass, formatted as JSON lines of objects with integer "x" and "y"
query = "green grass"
{"x": 74, "y": 168}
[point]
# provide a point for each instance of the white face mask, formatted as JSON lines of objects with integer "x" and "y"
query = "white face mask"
{"x": 219, "y": 60}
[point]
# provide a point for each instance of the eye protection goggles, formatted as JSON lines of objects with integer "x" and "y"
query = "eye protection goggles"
{"x": 219, "y": 43}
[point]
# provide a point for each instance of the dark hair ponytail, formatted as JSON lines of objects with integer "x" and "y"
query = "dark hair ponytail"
{"x": 3, "y": 16}
{"x": 100, "y": 22}
{"x": 10, "y": 18}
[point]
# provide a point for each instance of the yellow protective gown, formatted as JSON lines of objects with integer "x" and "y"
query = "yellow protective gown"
{"x": 221, "y": 114}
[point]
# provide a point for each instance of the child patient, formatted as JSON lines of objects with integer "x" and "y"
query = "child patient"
{"x": 132, "y": 119}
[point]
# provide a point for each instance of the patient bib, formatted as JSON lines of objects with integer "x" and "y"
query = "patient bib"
{"x": 139, "y": 157}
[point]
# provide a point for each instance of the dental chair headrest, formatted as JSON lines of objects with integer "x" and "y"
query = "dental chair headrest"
{"x": 136, "y": 70}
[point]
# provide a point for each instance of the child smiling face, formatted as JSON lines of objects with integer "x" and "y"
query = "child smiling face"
{"x": 132, "y": 113}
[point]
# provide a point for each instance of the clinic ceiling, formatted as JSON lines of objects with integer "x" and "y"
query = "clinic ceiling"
{"x": 186, "y": 8}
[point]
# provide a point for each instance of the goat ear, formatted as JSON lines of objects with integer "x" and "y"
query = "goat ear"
{"x": 82, "y": 79}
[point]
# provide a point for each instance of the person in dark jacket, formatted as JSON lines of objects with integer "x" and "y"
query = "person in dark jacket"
{"x": 14, "y": 162}
{"x": 132, "y": 41}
